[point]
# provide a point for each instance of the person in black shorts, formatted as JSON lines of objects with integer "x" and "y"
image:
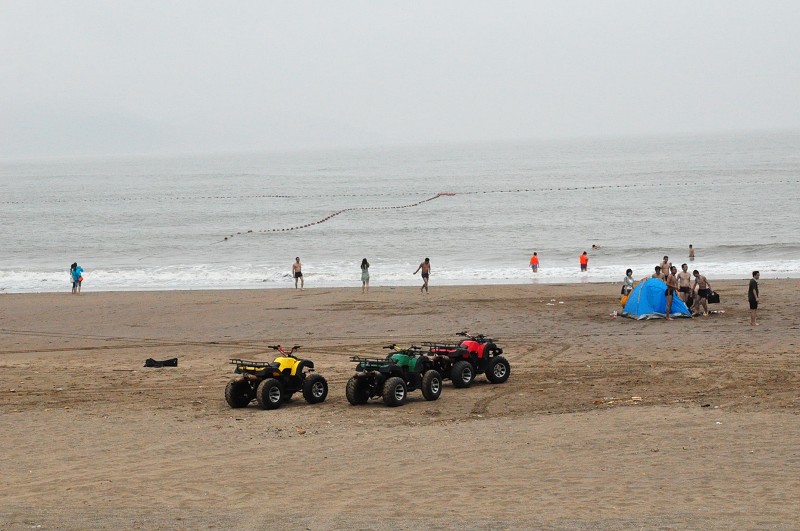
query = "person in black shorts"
{"x": 425, "y": 266}
{"x": 752, "y": 297}
{"x": 684, "y": 283}
{"x": 672, "y": 286}
{"x": 703, "y": 288}
{"x": 297, "y": 273}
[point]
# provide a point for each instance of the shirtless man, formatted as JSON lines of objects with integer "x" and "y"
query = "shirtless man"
{"x": 665, "y": 265}
{"x": 672, "y": 286}
{"x": 684, "y": 283}
{"x": 426, "y": 273}
{"x": 297, "y": 273}
{"x": 703, "y": 288}
{"x": 657, "y": 274}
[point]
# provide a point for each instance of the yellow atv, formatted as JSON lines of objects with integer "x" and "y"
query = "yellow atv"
{"x": 273, "y": 383}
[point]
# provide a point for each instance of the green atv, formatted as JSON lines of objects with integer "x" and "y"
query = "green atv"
{"x": 273, "y": 383}
{"x": 393, "y": 377}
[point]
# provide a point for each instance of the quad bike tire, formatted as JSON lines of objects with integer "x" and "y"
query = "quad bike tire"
{"x": 270, "y": 394}
{"x": 315, "y": 389}
{"x": 432, "y": 385}
{"x": 394, "y": 391}
{"x": 237, "y": 393}
{"x": 498, "y": 370}
{"x": 357, "y": 391}
{"x": 462, "y": 374}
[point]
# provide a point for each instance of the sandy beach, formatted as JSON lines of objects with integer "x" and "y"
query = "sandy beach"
{"x": 605, "y": 423}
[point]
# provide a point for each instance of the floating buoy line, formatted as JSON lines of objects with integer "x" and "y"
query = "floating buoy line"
{"x": 342, "y": 211}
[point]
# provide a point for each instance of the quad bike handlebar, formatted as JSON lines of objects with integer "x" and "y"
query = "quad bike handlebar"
{"x": 477, "y": 337}
{"x": 283, "y": 351}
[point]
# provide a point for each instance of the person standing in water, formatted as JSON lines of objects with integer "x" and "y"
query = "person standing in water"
{"x": 364, "y": 276}
{"x": 297, "y": 273}
{"x": 584, "y": 260}
{"x": 691, "y": 252}
{"x": 76, "y": 274}
{"x": 425, "y": 266}
{"x": 535, "y": 263}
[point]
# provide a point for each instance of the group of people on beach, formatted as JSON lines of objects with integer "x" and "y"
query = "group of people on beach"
{"x": 693, "y": 288}
{"x": 424, "y": 266}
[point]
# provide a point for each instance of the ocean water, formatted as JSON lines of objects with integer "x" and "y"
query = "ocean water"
{"x": 238, "y": 221}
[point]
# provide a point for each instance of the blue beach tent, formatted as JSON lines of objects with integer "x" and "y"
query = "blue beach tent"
{"x": 648, "y": 300}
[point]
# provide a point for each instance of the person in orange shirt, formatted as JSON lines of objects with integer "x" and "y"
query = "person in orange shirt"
{"x": 535, "y": 263}
{"x": 584, "y": 261}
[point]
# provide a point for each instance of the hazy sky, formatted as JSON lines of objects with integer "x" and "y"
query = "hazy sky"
{"x": 79, "y": 77}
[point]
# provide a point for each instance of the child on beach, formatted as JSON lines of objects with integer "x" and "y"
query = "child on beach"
{"x": 584, "y": 260}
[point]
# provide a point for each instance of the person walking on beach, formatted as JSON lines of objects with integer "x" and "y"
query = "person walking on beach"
{"x": 584, "y": 260}
{"x": 425, "y": 266}
{"x": 684, "y": 283}
{"x": 672, "y": 287}
{"x": 535, "y": 263}
{"x": 364, "y": 276}
{"x": 76, "y": 274}
{"x": 703, "y": 288}
{"x": 752, "y": 297}
{"x": 297, "y": 273}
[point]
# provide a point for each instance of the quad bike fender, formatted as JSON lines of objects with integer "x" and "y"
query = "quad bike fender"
{"x": 292, "y": 365}
{"x": 303, "y": 365}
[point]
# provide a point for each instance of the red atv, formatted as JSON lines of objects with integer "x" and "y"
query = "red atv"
{"x": 474, "y": 355}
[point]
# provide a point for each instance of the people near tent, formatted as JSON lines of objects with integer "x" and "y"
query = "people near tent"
{"x": 535, "y": 263}
{"x": 665, "y": 265}
{"x": 672, "y": 288}
{"x": 752, "y": 297}
{"x": 648, "y": 300}
{"x": 691, "y": 252}
{"x": 684, "y": 283}
{"x": 627, "y": 282}
{"x": 702, "y": 288}
{"x": 657, "y": 274}
{"x": 584, "y": 260}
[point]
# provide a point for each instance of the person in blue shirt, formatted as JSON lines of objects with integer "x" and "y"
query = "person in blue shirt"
{"x": 76, "y": 273}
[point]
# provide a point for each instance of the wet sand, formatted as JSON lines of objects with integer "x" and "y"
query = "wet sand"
{"x": 605, "y": 423}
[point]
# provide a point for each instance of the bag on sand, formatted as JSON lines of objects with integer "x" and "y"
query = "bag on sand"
{"x": 150, "y": 362}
